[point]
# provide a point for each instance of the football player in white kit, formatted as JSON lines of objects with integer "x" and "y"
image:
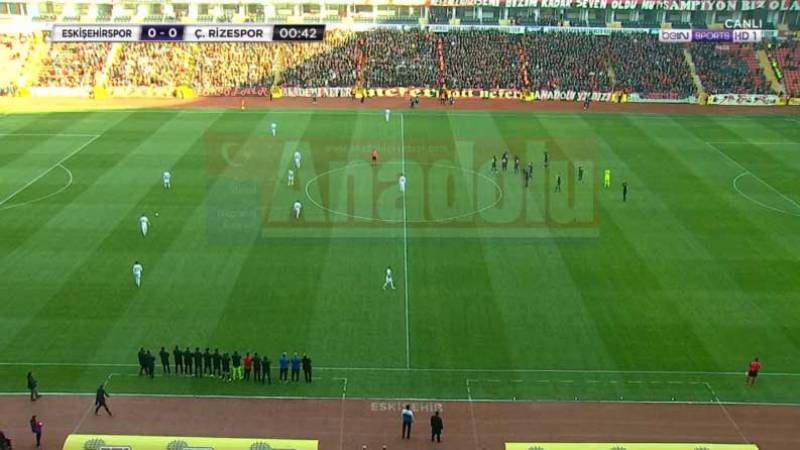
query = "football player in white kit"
{"x": 137, "y": 273}
{"x": 297, "y": 206}
{"x": 297, "y": 159}
{"x": 144, "y": 224}
{"x": 387, "y": 113}
{"x": 167, "y": 177}
{"x": 290, "y": 177}
{"x": 274, "y": 127}
{"x": 402, "y": 182}
{"x": 389, "y": 280}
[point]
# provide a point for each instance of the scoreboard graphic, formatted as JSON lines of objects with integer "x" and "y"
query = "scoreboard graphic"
{"x": 187, "y": 33}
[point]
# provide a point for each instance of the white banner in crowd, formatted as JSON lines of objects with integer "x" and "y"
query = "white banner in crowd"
{"x": 743, "y": 99}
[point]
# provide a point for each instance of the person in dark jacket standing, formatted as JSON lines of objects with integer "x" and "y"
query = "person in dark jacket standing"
{"x": 198, "y": 362}
{"x": 150, "y": 364}
{"x": 256, "y": 367}
{"x": 36, "y": 428}
{"x": 226, "y": 366}
{"x": 177, "y": 354}
{"x": 100, "y": 400}
{"x": 436, "y": 427}
{"x": 283, "y": 367}
{"x": 266, "y": 370}
{"x": 33, "y": 386}
{"x": 216, "y": 359}
{"x": 187, "y": 360}
{"x": 142, "y": 366}
{"x": 306, "y": 363}
{"x": 164, "y": 354}
{"x": 207, "y": 357}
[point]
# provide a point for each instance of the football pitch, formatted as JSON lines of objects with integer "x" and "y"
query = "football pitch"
{"x": 503, "y": 291}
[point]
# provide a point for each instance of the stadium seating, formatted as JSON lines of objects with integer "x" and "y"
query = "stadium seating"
{"x": 788, "y": 58}
{"x": 641, "y": 64}
{"x": 567, "y": 61}
{"x": 400, "y": 58}
{"x": 729, "y": 69}
{"x": 386, "y": 57}
{"x": 73, "y": 65}
{"x": 481, "y": 59}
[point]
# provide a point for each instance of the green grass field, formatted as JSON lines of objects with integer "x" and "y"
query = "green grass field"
{"x": 503, "y": 292}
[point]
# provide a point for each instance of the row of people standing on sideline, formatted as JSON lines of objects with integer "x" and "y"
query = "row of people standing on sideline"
{"x": 228, "y": 367}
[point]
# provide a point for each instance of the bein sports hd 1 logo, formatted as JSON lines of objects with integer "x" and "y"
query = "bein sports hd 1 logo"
{"x": 268, "y": 187}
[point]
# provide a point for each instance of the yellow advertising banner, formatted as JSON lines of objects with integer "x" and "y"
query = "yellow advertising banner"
{"x": 618, "y": 446}
{"x": 122, "y": 442}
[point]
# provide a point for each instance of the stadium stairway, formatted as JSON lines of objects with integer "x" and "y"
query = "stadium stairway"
{"x": 766, "y": 67}
{"x": 701, "y": 92}
{"x": 111, "y": 58}
{"x": 35, "y": 61}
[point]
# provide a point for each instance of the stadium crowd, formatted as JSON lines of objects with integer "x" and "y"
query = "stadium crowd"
{"x": 641, "y": 64}
{"x": 152, "y": 64}
{"x": 485, "y": 59}
{"x": 331, "y": 63}
{"x": 73, "y": 65}
{"x": 481, "y": 59}
{"x": 566, "y": 61}
{"x": 728, "y": 69}
{"x": 398, "y": 58}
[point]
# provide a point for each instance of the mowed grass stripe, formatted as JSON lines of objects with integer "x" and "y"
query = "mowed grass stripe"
{"x": 620, "y": 286}
{"x": 702, "y": 291}
{"x": 179, "y": 259}
{"x": 455, "y": 318}
{"x": 357, "y": 320}
{"x": 90, "y": 274}
{"x": 250, "y": 291}
{"x": 691, "y": 206}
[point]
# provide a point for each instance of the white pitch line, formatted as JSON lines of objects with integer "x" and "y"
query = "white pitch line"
{"x": 453, "y": 370}
{"x": 51, "y": 134}
{"x": 41, "y": 175}
{"x": 736, "y": 426}
{"x": 405, "y": 243}
{"x": 752, "y": 174}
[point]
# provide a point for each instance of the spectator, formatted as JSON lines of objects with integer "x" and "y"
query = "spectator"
{"x": 650, "y": 68}
{"x": 728, "y": 68}
{"x": 481, "y": 60}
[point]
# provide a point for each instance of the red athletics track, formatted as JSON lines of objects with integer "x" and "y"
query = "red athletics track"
{"x": 349, "y": 424}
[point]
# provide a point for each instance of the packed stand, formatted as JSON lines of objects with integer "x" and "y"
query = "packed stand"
{"x": 13, "y": 52}
{"x": 152, "y": 64}
{"x": 73, "y": 65}
{"x": 652, "y": 69}
{"x": 567, "y": 61}
{"x": 331, "y": 63}
{"x": 397, "y": 58}
{"x": 788, "y": 57}
{"x": 235, "y": 65}
{"x": 481, "y": 60}
{"x": 728, "y": 69}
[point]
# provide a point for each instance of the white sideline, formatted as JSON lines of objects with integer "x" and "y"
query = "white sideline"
{"x": 738, "y": 373}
